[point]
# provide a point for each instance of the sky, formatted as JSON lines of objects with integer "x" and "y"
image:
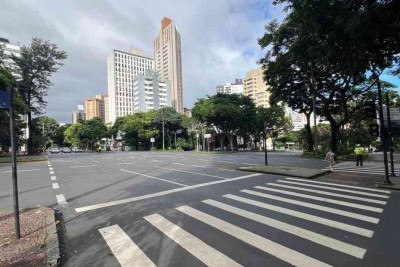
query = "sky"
{"x": 219, "y": 40}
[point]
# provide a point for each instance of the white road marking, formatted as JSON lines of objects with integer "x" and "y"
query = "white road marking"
{"x": 340, "y": 185}
{"x": 51, "y": 169}
{"x": 330, "y": 194}
{"x": 93, "y": 160}
{"x": 281, "y": 252}
{"x": 323, "y": 199}
{"x": 205, "y": 253}
{"x": 198, "y": 166}
{"x": 223, "y": 161}
{"x": 141, "y": 174}
{"x": 32, "y": 170}
{"x": 83, "y": 166}
{"x": 162, "y": 193}
{"x": 176, "y": 163}
{"x": 51, "y": 172}
{"x": 126, "y": 163}
{"x": 61, "y": 200}
{"x": 53, "y": 178}
{"x": 227, "y": 170}
{"x": 192, "y": 173}
{"x": 315, "y": 206}
{"x": 124, "y": 249}
{"x": 294, "y": 230}
{"x": 55, "y": 186}
{"x": 336, "y": 189}
{"x": 49, "y": 165}
{"x": 335, "y": 224}
{"x": 154, "y": 160}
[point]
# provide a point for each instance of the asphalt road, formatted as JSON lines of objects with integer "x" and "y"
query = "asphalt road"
{"x": 187, "y": 209}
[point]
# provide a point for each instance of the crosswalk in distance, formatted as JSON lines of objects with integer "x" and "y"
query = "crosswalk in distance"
{"x": 336, "y": 218}
{"x": 368, "y": 168}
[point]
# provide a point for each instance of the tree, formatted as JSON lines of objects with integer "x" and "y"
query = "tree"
{"x": 91, "y": 131}
{"x": 44, "y": 132}
{"x": 71, "y": 134}
{"x": 332, "y": 45}
{"x": 172, "y": 122}
{"x": 36, "y": 64}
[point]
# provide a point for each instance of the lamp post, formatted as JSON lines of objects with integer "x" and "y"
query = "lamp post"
{"x": 163, "y": 130}
{"x": 265, "y": 143}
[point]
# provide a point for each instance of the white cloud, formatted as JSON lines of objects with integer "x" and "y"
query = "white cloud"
{"x": 219, "y": 40}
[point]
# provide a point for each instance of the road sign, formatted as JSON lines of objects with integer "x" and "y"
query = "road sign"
{"x": 152, "y": 140}
{"x": 394, "y": 114}
{"x": 5, "y": 100}
{"x": 207, "y": 135}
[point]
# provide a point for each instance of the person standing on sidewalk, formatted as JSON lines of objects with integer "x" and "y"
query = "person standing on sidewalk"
{"x": 359, "y": 151}
{"x": 330, "y": 157}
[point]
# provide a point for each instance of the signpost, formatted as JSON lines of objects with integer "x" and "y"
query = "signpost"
{"x": 152, "y": 140}
{"x": 208, "y": 136}
{"x": 6, "y": 100}
{"x": 197, "y": 142}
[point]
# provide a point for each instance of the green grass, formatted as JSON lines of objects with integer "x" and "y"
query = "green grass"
{"x": 288, "y": 171}
{"x": 23, "y": 159}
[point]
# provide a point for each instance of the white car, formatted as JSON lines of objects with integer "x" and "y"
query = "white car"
{"x": 54, "y": 150}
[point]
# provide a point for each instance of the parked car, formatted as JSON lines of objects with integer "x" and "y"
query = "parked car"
{"x": 54, "y": 150}
{"x": 76, "y": 149}
{"x": 66, "y": 150}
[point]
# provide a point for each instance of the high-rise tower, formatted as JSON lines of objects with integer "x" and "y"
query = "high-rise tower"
{"x": 168, "y": 60}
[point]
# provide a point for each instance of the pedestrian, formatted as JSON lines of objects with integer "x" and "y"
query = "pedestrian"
{"x": 359, "y": 151}
{"x": 330, "y": 157}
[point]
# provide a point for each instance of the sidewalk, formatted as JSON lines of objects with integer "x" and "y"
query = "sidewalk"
{"x": 38, "y": 245}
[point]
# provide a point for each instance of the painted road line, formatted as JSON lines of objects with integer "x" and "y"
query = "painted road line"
{"x": 51, "y": 169}
{"x": 51, "y": 172}
{"x": 340, "y": 185}
{"x": 330, "y": 194}
{"x": 55, "y": 186}
{"x": 305, "y": 216}
{"x": 126, "y": 163}
{"x": 362, "y": 172}
{"x": 152, "y": 177}
{"x": 83, "y": 166}
{"x": 93, "y": 160}
{"x": 61, "y": 200}
{"x": 219, "y": 177}
{"x": 335, "y": 189}
{"x": 222, "y": 169}
{"x": 176, "y": 163}
{"x": 315, "y": 206}
{"x": 53, "y": 178}
{"x": 32, "y": 170}
{"x": 123, "y": 248}
{"x": 162, "y": 193}
{"x": 205, "y": 253}
{"x": 198, "y": 166}
{"x": 281, "y": 252}
{"x": 323, "y": 199}
{"x": 154, "y": 160}
{"x": 291, "y": 229}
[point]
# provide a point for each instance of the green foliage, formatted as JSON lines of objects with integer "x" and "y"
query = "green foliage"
{"x": 45, "y": 130}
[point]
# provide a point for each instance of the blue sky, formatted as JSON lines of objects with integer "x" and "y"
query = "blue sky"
{"x": 219, "y": 40}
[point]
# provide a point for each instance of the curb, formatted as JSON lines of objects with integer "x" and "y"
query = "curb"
{"x": 285, "y": 174}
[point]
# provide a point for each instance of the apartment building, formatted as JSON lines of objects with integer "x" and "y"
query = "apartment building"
{"x": 168, "y": 60}
{"x": 231, "y": 88}
{"x": 255, "y": 87}
{"x": 9, "y": 50}
{"x": 122, "y": 68}
{"x": 94, "y": 107}
{"x": 78, "y": 114}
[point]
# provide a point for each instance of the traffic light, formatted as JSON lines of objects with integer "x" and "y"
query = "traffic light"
{"x": 374, "y": 130}
{"x": 370, "y": 109}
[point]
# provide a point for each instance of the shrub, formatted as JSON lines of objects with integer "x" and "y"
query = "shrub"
{"x": 153, "y": 149}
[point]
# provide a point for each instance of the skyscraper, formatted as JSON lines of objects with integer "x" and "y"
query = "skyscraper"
{"x": 256, "y": 88}
{"x": 94, "y": 107}
{"x": 9, "y": 50}
{"x": 78, "y": 114}
{"x": 122, "y": 68}
{"x": 168, "y": 60}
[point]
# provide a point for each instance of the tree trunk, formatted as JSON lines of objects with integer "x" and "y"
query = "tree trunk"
{"x": 334, "y": 135}
{"x": 309, "y": 138}
{"x": 231, "y": 141}
{"x": 30, "y": 139}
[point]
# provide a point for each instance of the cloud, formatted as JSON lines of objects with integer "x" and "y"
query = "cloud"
{"x": 219, "y": 40}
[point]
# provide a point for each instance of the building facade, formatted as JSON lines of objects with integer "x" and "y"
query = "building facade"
{"x": 94, "y": 108}
{"x": 231, "y": 88}
{"x": 122, "y": 68}
{"x": 78, "y": 114}
{"x": 9, "y": 50}
{"x": 168, "y": 60}
{"x": 255, "y": 87}
{"x": 150, "y": 92}
{"x": 106, "y": 109}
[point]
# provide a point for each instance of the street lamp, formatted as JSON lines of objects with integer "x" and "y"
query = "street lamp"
{"x": 265, "y": 143}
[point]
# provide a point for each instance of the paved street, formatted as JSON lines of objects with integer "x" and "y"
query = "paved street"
{"x": 186, "y": 209}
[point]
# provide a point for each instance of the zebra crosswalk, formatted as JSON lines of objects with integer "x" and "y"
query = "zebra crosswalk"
{"x": 339, "y": 226}
{"x": 369, "y": 167}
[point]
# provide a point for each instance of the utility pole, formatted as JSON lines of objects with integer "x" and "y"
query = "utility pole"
{"x": 14, "y": 149}
{"x": 265, "y": 145}
{"x": 197, "y": 142}
{"x": 44, "y": 144}
{"x": 390, "y": 137}
{"x": 383, "y": 133}
{"x": 163, "y": 130}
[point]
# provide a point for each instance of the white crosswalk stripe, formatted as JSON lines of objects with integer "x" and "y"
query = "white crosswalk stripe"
{"x": 256, "y": 206}
{"x": 368, "y": 168}
{"x": 195, "y": 246}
